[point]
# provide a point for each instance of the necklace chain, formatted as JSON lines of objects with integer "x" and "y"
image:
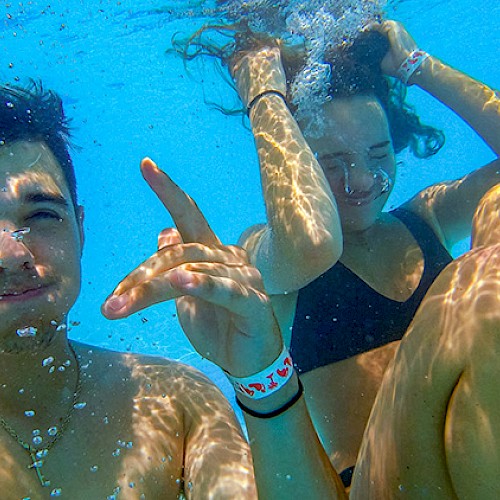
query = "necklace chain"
{"x": 37, "y": 455}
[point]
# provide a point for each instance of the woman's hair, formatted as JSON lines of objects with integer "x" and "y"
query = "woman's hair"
{"x": 355, "y": 70}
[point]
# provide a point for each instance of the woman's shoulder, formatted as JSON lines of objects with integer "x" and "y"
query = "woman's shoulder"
{"x": 421, "y": 205}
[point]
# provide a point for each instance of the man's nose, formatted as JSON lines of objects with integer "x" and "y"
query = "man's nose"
{"x": 14, "y": 254}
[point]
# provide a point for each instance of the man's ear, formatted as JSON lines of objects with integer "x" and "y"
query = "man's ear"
{"x": 80, "y": 216}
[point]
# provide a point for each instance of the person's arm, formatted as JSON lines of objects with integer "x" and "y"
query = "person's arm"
{"x": 289, "y": 460}
{"x": 472, "y": 433}
{"x": 476, "y": 103}
{"x": 228, "y": 318}
{"x": 472, "y": 437}
{"x": 302, "y": 237}
{"x": 217, "y": 458}
{"x": 449, "y": 206}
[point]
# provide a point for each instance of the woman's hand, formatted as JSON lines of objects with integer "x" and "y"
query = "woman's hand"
{"x": 220, "y": 298}
{"x": 256, "y": 71}
{"x": 401, "y": 45}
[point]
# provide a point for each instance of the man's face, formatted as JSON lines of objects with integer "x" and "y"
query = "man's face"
{"x": 40, "y": 244}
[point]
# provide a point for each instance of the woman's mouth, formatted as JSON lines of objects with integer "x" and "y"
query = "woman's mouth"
{"x": 360, "y": 198}
{"x": 381, "y": 184}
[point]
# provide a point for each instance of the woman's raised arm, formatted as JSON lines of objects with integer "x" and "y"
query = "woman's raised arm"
{"x": 302, "y": 237}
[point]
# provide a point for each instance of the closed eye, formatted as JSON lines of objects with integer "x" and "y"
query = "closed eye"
{"x": 333, "y": 163}
{"x": 44, "y": 214}
{"x": 378, "y": 157}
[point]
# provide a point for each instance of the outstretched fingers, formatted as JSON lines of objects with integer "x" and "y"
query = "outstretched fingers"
{"x": 186, "y": 215}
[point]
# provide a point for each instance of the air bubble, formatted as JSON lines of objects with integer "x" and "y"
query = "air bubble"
{"x": 28, "y": 331}
{"x": 48, "y": 361}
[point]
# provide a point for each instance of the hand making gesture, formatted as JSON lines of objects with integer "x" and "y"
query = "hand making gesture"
{"x": 221, "y": 303}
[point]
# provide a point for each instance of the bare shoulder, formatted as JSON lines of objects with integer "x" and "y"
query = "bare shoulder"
{"x": 186, "y": 388}
{"x": 424, "y": 205}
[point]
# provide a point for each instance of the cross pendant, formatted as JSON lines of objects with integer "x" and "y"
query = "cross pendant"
{"x": 37, "y": 465}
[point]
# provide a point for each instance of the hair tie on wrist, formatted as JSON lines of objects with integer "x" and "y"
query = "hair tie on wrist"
{"x": 276, "y": 412}
{"x": 411, "y": 64}
{"x": 267, "y": 381}
{"x": 262, "y": 94}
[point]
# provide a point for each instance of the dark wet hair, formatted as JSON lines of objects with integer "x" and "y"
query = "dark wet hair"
{"x": 34, "y": 114}
{"x": 356, "y": 71}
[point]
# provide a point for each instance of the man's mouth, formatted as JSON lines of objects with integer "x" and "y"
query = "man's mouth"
{"x": 21, "y": 294}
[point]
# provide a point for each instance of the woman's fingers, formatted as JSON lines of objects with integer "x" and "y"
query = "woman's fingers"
{"x": 186, "y": 215}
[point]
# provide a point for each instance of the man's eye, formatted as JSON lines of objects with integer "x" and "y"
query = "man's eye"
{"x": 379, "y": 157}
{"x": 44, "y": 214}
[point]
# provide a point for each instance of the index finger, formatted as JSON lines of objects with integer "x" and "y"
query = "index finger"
{"x": 186, "y": 215}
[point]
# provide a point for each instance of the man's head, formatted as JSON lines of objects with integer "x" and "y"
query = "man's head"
{"x": 33, "y": 114}
{"x": 41, "y": 234}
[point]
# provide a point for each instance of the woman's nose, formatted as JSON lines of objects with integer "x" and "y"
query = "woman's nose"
{"x": 361, "y": 176}
{"x": 14, "y": 254}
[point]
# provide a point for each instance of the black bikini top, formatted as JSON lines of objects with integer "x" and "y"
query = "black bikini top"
{"x": 339, "y": 316}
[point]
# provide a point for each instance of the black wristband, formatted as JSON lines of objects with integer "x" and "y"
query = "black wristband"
{"x": 262, "y": 94}
{"x": 276, "y": 412}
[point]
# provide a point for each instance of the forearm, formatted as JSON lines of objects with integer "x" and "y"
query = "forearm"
{"x": 303, "y": 226}
{"x": 473, "y": 101}
{"x": 289, "y": 460}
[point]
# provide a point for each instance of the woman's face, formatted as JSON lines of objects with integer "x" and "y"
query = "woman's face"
{"x": 357, "y": 157}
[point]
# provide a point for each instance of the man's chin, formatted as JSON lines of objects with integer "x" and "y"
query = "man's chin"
{"x": 19, "y": 343}
{"x": 29, "y": 334}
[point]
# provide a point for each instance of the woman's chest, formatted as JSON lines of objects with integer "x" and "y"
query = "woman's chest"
{"x": 391, "y": 262}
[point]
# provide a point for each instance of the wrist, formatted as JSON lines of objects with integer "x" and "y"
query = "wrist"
{"x": 265, "y": 94}
{"x": 274, "y": 405}
{"x": 257, "y": 72}
{"x": 266, "y": 382}
{"x": 412, "y": 66}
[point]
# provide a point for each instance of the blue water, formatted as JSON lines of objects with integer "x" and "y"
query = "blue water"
{"x": 128, "y": 99}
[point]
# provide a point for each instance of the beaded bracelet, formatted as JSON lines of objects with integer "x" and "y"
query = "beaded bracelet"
{"x": 262, "y": 94}
{"x": 411, "y": 64}
{"x": 278, "y": 411}
{"x": 267, "y": 381}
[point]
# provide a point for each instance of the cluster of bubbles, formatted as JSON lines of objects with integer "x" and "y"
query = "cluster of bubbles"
{"x": 318, "y": 26}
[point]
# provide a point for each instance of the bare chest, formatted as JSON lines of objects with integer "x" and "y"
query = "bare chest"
{"x": 102, "y": 455}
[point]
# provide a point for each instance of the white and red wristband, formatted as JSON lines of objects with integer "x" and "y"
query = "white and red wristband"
{"x": 411, "y": 64}
{"x": 267, "y": 381}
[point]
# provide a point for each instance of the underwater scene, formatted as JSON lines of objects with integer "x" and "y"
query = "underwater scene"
{"x": 157, "y": 79}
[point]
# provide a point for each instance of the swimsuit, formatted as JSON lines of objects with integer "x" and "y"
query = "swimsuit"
{"x": 339, "y": 316}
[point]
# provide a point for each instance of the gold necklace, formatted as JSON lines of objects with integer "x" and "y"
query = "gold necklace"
{"x": 37, "y": 456}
